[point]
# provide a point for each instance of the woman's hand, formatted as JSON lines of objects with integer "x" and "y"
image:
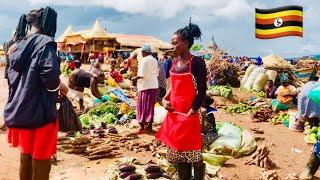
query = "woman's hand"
{"x": 12, "y": 49}
{"x": 191, "y": 112}
{"x": 63, "y": 89}
{"x": 166, "y": 104}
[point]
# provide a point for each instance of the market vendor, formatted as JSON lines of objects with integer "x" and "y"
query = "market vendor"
{"x": 147, "y": 84}
{"x": 131, "y": 65}
{"x": 286, "y": 95}
{"x": 270, "y": 89}
{"x": 181, "y": 129}
{"x": 118, "y": 77}
{"x": 81, "y": 79}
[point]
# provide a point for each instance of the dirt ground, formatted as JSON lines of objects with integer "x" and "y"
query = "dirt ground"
{"x": 288, "y": 151}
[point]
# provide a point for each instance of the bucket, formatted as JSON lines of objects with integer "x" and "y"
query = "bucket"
{"x": 295, "y": 122}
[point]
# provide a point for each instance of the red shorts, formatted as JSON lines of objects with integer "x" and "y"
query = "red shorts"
{"x": 41, "y": 143}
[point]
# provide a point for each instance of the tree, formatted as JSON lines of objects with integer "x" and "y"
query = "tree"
{"x": 196, "y": 47}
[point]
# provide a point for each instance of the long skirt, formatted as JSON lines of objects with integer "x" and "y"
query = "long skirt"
{"x": 41, "y": 142}
{"x": 145, "y": 105}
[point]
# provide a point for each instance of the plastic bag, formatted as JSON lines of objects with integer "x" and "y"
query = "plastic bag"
{"x": 159, "y": 114}
{"x": 247, "y": 74}
{"x": 259, "y": 82}
{"x": 68, "y": 119}
{"x": 314, "y": 95}
{"x": 229, "y": 140}
{"x": 248, "y": 84}
{"x": 272, "y": 75}
{"x": 121, "y": 96}
{"x": 248, "y": 144}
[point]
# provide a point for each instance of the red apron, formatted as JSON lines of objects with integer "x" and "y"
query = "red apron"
{"x": 179, "y": 131}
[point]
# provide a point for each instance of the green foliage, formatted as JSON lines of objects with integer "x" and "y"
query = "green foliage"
{"x": 196, "y": 47}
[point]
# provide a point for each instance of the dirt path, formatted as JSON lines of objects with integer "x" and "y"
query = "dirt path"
{"x": 281, "y": 142}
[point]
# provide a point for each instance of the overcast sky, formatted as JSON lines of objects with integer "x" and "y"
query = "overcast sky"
{"x": 231, "y": 22}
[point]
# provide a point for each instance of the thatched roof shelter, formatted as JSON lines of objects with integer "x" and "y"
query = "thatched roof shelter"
{"x": 139, "y": 40}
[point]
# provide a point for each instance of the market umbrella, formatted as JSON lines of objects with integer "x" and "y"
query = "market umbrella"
{"x": 307, "y": 107}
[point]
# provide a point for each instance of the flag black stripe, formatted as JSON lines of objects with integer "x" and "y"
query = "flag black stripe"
{"x": 272, "y": 26}
{"x": 279, "y": 9}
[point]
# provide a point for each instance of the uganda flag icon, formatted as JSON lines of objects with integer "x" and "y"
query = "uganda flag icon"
{"x": 279, "y": 22}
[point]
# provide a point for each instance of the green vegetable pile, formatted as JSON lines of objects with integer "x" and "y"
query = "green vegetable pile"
{"x": 312, "y": 134}
{"x": 105, "y": 108}
{"x": 65, "y": 70}
{"x": 103, "y": 113}
{"x": 261, "y": 94}
{"x": 132, "y": 114}
{"x": 239, "y": 108}
{"x": 281, "y": 118}
{"x": 224, "y": 91}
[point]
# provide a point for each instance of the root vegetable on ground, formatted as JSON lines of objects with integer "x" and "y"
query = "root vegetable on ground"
{"x": 260, "y": 158}
{"x": 102, "y": 156}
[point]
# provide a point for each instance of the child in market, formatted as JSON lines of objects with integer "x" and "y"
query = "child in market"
{"x": 270, "y": 89}
{"x": 209, "y": 132}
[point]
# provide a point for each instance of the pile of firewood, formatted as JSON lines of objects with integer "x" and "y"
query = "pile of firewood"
{"x": 261, "y": 159}
{"x": 222, "y": 72}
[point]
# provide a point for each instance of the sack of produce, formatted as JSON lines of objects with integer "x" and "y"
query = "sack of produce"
{"x": 247, "y": 74}
{"x": 275, "y": 61}
{"x": 272, "y": 75}
{"x": 68, "y": 119}
{"x": 229, "y": 140}
{"x": 314, "y": 95}
{"x": 248, "y": 84}
{"x": 259, "y": 82}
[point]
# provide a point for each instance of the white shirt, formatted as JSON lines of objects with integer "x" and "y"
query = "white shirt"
{"x": 149, "y": 71}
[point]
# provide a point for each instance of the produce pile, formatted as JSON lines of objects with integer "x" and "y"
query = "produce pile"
{"x": 103, "y": 142}
{"x": 107, "y": 113}
{"x": 261, "y": 94}
{"x": 224, "y": 91}
{"x": 282, "y": 118}
{"x": 312, "y": 133}
{"x": 239, "y": 108}
{"x": 65, "y": 70}
{"x": 261, "y": 159}
{"x": 261, "y": 114}
{"x": 71, "y": 145}
{"x": 268, "y": 175}
{"x": 152, "y": 171}
{"x": 223, "y": 73}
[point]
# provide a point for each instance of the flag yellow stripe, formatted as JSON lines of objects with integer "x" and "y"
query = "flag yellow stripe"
{"x": 278, "y": 30}
{"x": 279, "y": 14}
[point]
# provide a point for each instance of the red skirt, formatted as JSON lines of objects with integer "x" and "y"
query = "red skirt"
{"x": 41, "y": 143}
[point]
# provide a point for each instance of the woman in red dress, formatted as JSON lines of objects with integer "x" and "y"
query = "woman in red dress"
{"x": 181, "y": 129}
{"x": 30, "y": 113}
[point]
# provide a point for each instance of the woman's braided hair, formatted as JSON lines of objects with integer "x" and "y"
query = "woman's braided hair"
{"x": 20, "y": 31}
{"x": 190, "y": 33}
{"x": 45, "y": 18}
